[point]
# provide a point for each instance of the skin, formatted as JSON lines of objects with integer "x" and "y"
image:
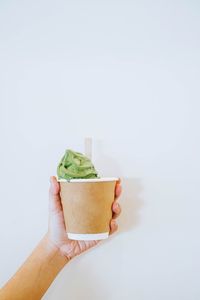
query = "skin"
{"x": 53, "y": 252}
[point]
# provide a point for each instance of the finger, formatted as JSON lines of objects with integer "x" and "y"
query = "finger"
{"x": 54, "y": 195}
{"x": 118, "y": 190}
{"x": 116, "y": 209}
{"x": 113, "y": 226}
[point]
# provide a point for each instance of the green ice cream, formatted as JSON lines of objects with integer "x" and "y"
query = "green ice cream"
{"x": 75, "y": 165}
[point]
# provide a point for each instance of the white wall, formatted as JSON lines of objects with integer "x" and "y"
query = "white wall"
{"x": 127, "y": 74}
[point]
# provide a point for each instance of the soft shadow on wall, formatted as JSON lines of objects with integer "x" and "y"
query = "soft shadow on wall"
{"x": 131, "y": 199}
{"x": 131, "y": 203}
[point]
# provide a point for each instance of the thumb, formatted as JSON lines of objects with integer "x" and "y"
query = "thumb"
{"x": 54, "y": 196}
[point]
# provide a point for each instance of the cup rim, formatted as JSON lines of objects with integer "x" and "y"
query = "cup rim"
{"x": 101, "y": 179}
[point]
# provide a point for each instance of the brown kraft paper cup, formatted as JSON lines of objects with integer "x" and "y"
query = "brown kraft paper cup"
{"x": 87, "y": 207}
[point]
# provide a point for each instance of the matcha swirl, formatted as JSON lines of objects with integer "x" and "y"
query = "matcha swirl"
{"x": 75, "y": 165}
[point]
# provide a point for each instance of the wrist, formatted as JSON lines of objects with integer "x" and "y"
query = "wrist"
{"x": 54, "y": 251}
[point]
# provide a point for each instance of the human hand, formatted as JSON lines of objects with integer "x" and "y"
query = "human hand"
{"x": 57, "y": 235}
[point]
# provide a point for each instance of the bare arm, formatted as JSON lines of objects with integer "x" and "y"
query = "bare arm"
{"x": 37, "y": 273}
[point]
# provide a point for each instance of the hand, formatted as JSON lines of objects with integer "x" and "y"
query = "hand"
{"x": 57, "y": 231}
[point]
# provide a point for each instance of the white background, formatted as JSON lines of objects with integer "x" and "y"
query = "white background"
{"x": 125, "y": 73}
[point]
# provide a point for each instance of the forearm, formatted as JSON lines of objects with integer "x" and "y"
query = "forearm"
{"x": 35, "y": 276}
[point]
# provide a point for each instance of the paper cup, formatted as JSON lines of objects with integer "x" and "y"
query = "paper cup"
{"x": 87, "y": 207}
